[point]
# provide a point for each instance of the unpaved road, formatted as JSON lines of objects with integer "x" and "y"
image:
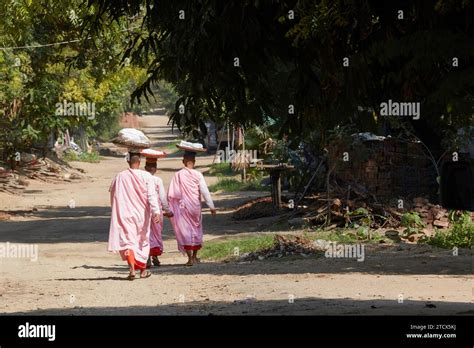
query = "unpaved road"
{"x": 75, "y": 275}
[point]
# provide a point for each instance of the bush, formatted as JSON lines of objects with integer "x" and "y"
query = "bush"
{"x": 460, "y": 235}
{"x": 412, "y": 223}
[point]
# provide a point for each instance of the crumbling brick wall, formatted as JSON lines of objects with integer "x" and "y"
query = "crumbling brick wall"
{"x": 392, "y": 168}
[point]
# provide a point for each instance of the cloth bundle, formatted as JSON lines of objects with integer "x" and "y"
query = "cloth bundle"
{"x": 132, "y": 138}
{"x": 150, "y": 153}
{"x": 193, "y": 147}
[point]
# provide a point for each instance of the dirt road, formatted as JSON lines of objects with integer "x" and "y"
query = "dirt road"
{"x": 75, "y": 275}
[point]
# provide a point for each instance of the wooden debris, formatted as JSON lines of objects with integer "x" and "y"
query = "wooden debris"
{"x": 30, "y": 167}
{"x": 284, "y": 246}
{"x": 254, "y": 209}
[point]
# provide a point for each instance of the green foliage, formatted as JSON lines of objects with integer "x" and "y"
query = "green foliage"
{"x": 460, "y": 235}
{"x": 166, "y": 96}
{"x": 411, "y": 220}
{"x": 412, "y": 223}
{"x": 218, "y": 250}
{"x": 301, "y": 60}
{"x": 71, "y": 156}
{"x": 33, "y": 80}
{"x": 363, "y": 218}
{"x": 359, "y": 211}
{"x": 254, "y": 175}
{"x": 348, "y": 235}
{"x": 233, "y": 185}
{"x": 362, "y": 232}
{"x": 220, "y": 169}
{"x": 228, "y": 183}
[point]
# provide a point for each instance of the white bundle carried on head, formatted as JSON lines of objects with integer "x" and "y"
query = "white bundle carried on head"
{"x": 150, "y": 153}
{"x": 187, "y": 144}
{"x": 132, "y": 137}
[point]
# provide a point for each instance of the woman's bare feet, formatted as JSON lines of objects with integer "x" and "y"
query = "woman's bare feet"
{"x": 190, "y": 258}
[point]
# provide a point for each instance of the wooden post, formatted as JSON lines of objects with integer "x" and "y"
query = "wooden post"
{"x": 276, "y": 188}
{"x": 244, "y": 171}
{"x": 233, "y": 137}
{"x": 228, "y": 136}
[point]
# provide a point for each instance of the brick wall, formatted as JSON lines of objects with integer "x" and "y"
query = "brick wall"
{"x": 393, "y": 168}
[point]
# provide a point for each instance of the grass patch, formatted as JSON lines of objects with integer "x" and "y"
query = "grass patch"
{"x": 226, "y": 249}
{"x": 220, "y": 169}
{"x": 92, "y": 157}
{"x": 233, "y": 185}
{"x": 347, "y": 236}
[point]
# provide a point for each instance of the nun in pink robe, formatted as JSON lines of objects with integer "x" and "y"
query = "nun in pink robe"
{"x": 156, "y": 229}
{"x": 156, "y": 238}
{"x": 133, "y": 200}
{"x": 184, "y": 199}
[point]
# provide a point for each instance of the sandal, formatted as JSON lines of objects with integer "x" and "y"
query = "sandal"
{"x": 146, "y": 274}
{"x": 131, "y": 277}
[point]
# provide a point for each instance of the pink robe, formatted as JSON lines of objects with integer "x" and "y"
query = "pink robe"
{"x": 156, "y": 239}
{"x": 130, "y": 219}
{"x": 184, "y": 199}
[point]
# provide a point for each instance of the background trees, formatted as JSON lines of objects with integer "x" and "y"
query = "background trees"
{"x": 292, "y": 53}
{"x": 277, "y": 64}
{"x": 46, "y": 58}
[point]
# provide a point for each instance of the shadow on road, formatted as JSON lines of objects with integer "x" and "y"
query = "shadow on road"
{"x": 254, "y": 306}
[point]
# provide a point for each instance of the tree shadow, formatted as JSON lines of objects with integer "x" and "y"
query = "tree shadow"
{"x": 388, "y": 261}
{"x": 88, "y": 224}
{"x": 91, "y": 279}
{"x": 251, "y": 306}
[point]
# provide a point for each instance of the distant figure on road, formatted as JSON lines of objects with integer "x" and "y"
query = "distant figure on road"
{"x": 184, "y": 197}
{"x": 135, "y": 205}
{"x": 156, "y": 239}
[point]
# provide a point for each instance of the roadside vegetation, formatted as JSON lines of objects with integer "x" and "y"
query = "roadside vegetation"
{"x": 71, "y": 156}
{"x": 225, "y": 250}
{"x": 230, "y": 180}
{"x": 461, "y": 235}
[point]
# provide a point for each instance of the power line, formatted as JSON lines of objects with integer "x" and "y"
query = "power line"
{"x": 45, "y": 45}
{"x": 55, "y": 43}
